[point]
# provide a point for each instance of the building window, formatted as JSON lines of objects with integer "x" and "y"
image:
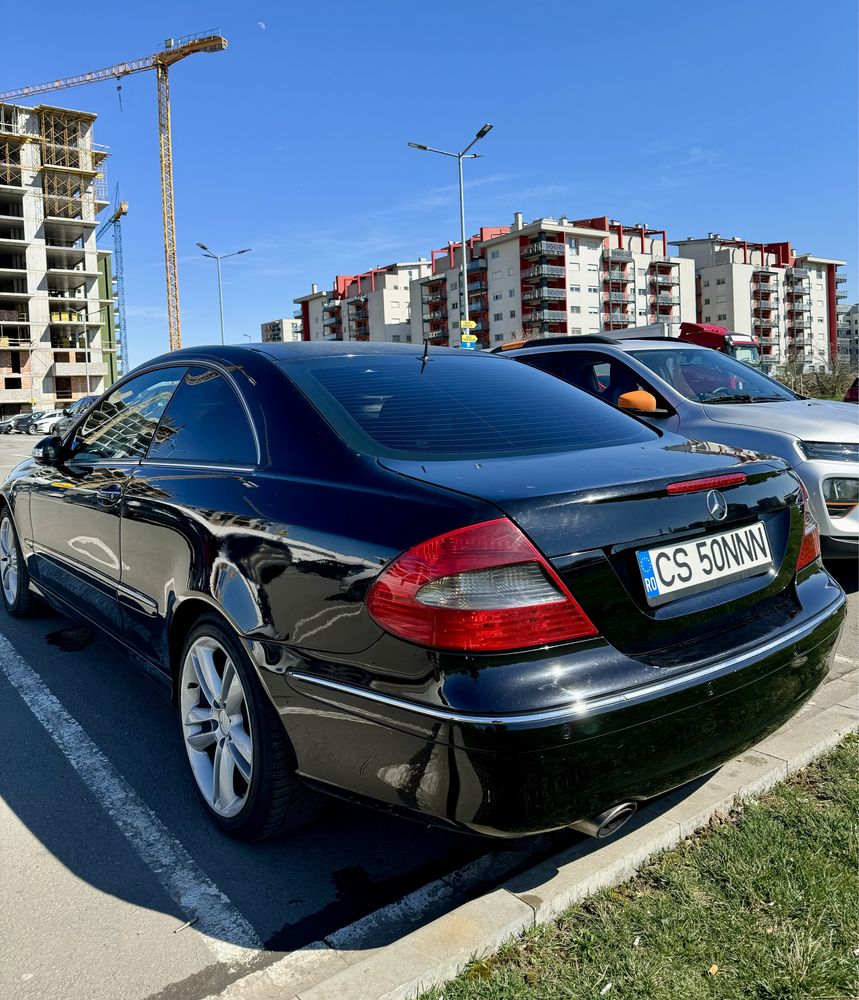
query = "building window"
{"x": 706, "y": 302}
{"x": 512, "y": 314}
{"x": 499, "y": 336}
{"x": 575, "y": 288}
{"x": 495, "y": 254}
{"x": 511, "y": 293}
{"x": 496, "y": 296}
{"x": 509, "y": 272}
{"x": 720, "y": 281}
{"x": 642, "y": 291}
{"x": 722, "y": 316}
{"x": 574, "y": 266}
{"x": 642, "y": 312}
{"x": 593, "y": 290}
{"x": 573, "y": 244}
{"x": 498, "y": 317}
{"x": 575, "y": 330}
{"x": 593, "y": 311}
{"x": 575, "y": 309}
{"x": 707, "y": 283}
{"x": 642, "y": 271}
{"x": 721, "y": 298}
{"x": 593, "y": 267}
{"x": 496, "y": 274}
{"x": 395, "y": 338}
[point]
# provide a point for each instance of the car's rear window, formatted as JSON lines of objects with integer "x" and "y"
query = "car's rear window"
{"x": 459, "y": 406}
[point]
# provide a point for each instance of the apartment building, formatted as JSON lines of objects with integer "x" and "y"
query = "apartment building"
{"x": 848, "y": 332}
{"x": 373, "y": 305}
{"x": 54, "y": 318}
{"x": 276, "y": 331}
{"x": 788, "y": 300}
{"x": 555, "y": 277}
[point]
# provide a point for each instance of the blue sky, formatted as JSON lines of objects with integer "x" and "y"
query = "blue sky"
{"x": 735, "y": 117}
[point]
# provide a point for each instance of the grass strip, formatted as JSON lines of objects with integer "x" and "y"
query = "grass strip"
{"x": 759, "y": 905}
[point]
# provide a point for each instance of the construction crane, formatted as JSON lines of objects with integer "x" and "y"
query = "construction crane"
{"x": 113, "y": 223}
{"x": 173, "y": 51}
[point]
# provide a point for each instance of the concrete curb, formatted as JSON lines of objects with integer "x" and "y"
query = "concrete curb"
{"x": 347, "y": 966}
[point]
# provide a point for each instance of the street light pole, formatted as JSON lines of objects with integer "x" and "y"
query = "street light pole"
{"x": 463, "y": 268}
{"x": 217, "y": 259}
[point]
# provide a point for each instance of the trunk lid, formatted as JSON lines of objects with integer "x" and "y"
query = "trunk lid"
{"x": 591, "y": 512}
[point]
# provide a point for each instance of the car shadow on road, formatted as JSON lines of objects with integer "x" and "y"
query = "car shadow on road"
{"x": 846, "y": 572}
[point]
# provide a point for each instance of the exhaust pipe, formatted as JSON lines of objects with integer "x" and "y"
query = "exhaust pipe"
{"x": 606, "y": 823}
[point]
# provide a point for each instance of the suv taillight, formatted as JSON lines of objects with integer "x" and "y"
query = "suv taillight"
{"x": 483, "y": 588}
{"x": 810, "y": 548}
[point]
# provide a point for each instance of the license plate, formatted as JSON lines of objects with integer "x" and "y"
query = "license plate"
{"x": 676, "y": 570}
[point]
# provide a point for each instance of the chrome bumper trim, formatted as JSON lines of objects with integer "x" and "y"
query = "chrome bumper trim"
{"x": 585, "y": 706}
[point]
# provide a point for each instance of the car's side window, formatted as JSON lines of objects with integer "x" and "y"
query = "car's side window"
{"x": 205, "y": 422}
{"x": 614, "y": 378}
{"x": 123, "y": 423}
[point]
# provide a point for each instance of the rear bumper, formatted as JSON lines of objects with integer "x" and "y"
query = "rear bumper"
{"x": 525, "y": 773}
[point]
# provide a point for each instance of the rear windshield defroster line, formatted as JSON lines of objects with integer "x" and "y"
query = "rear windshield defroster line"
{"x": 461, "y": 406}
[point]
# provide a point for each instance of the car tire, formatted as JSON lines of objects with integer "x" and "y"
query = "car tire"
{"x": 242, "y": 762}
{"x": 14, "y": 579}
{"x": 32, "y": 429}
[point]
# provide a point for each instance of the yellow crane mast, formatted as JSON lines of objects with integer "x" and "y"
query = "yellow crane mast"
{"x": 173, "y": 51}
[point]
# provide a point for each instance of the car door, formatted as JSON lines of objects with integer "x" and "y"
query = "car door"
{"x": 75, "y": 506}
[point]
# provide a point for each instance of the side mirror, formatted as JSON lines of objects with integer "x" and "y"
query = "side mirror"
{"x": 641, "y": 403}
{"x": 48, "y": 451}
{"x": 66, "y": 411}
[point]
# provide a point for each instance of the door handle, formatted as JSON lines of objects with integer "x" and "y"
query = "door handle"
{"x": 109, "y": 495}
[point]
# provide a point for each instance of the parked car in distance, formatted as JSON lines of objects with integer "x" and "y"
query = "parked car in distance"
{"x": 441, "y": 582}
{"x": 23, "y": 420}
{"x": 852, "y": 394}
{"x": 705, "y": 395}
{"x": 71, "y": 413}
{"x": 6, "y": 425}
{"x": 46, "y": 423}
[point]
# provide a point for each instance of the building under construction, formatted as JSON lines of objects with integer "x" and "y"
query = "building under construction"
{"x": 56, "y": 298}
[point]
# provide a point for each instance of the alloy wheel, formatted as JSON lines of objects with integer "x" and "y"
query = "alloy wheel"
{"x": 8, "y": 560}
{"x": 216, "y": 726}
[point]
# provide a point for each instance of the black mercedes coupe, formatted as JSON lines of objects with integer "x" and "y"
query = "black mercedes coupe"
{"x": 431, "y": 580}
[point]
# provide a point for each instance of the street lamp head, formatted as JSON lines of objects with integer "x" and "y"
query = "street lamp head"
{"x": 486, "y": 128}
{"x": 246, "y": 250}
{"x": 417, "y": 145}
{"x": 203, "y": 246}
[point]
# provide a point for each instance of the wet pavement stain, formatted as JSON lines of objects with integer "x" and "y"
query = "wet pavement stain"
{"x": 71, "y": 640}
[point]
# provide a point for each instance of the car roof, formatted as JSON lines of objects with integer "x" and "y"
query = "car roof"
{"x": 603, "y": 344}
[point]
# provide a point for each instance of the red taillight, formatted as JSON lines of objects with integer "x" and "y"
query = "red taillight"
{"x": 810, "y": 548}
{"x": 478, "y": 589}
{"x": 708, "y": 483}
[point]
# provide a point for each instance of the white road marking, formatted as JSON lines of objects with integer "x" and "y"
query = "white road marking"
{"x": 225, "y": 931}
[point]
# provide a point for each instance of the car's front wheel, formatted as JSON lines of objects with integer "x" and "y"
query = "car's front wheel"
{"x": 14, "y": 578}
{"x": 32, "y": 429}
{"x": 240, "y": 757}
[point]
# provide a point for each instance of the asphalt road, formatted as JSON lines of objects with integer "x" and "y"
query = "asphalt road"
{"x": 105, "y": 852}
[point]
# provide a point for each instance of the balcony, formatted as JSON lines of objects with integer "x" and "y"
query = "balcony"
{"x": 477, "y": 265}
{"x": 69, "y": 317}
{"x": 619, "y": 297}
{"x": 798, "y": 307}
{"x": 768, "y": 341}
{"x": 800, "y": 324}
{"x": 668, "y": 300}
{"x": 840, "y": 295}
{"x": 544, "y": 271}
{"x": 765, "y": 324}
{"x": 537, "y": 294}
{"x": 799, "y": 272}
{"x": 546, "y": 316}
{"x": 617, "y": 254}
{"x": 542, "y": 248}
{"x": 621, "y": 317}
{"x": 664, "y": 279}
{"x": 436, "y": 314}
{"x": 331, "y": 320}
{"x": 617, "y": 275}
{"x": 435, "y": 297}
{"x": 840, "y": 279}
{"x": 477, "y": 286}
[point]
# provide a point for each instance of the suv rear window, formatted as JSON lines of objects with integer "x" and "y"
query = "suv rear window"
{"x": 460, "y": 406}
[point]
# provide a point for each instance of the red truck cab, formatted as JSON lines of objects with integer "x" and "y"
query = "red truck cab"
{"x": 742, "y": 346}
